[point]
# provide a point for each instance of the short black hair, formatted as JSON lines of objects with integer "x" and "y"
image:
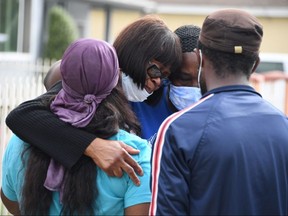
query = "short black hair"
{"x": 226, "y": 63}
{"x": 189, "y": 35}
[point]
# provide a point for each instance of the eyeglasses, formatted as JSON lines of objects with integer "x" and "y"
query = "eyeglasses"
{"x": 154, "y": 72}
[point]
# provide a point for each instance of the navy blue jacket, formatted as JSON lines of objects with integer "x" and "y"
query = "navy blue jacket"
{"x": 226, "y": 154}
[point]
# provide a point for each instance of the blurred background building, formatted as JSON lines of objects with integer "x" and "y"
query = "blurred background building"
{"x": 24, "y": 23}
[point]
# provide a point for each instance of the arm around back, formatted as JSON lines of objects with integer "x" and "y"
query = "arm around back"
{"x": 33, "y": 122}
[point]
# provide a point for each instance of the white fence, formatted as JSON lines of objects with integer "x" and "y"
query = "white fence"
{"x": 18, "y": 82}
{"x": 23, "y": 81}
{"x": 273, "y": 87}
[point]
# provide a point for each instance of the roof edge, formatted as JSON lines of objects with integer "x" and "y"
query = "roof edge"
{"x": 276, "y": 12}
{"x": 146, "y": 5}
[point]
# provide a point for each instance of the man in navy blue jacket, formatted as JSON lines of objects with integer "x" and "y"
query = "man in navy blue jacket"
{"x": 228, "y": 153}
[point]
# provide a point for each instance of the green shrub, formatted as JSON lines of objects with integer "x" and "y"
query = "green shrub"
{"x": 62, "y": 30}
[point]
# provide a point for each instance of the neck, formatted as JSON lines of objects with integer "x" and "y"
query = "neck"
{"x": 231, "y": 80}
{"x": 214, "y": 81}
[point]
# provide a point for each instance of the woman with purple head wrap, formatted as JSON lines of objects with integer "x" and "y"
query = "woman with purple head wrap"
{"x": 93, "y": 100}
{"x": 89, "y": 70}
{"x": 148, "y": 52}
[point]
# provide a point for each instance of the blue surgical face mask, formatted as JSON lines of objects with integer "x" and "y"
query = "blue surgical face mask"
{"x": 183, "y": 96}
{"x": 131, "y": 90}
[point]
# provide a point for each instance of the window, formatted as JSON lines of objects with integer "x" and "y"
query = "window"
{"x": 15, "y": 17}
{"x": 265, "y": 66}
{"x": 9, "y": 25}
{"x": 273, "y": 62}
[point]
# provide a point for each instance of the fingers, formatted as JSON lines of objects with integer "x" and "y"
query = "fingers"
{"x": 118, "y": 172}
{"x": 131, "y": 173}
{"x": 129, "y": 149}
{"x": 135, "y": 166}
{"x": 124, "y": 162}
{"x": 113, "y": 170}
{"x": 131, "y": 167}
{"x": 113, "y": 157}
{"x": 128, "y": 165}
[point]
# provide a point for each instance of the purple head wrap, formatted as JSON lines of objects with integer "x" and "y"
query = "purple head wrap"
{"x": 89, "y": 71}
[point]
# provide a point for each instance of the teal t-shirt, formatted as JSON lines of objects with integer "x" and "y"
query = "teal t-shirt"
{"x": 115, "y": 194}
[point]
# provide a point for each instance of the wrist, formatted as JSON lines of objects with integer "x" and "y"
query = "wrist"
{"x": 90, "y": 150}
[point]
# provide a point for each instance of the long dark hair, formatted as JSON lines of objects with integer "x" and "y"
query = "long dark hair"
{"x": 146, "y": 39}
{"x": 80, "y": 189}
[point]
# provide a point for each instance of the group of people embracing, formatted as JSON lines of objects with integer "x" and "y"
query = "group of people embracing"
{"x": 158, "y": 123}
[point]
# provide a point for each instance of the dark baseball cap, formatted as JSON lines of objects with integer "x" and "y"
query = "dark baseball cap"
{"x": 232, "y": 31}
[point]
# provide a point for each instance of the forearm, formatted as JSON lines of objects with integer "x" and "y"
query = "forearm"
{"x": 11, "y": 206}
{"x": 33, "y": 122}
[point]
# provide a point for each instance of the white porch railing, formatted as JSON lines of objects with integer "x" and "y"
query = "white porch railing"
{"x": 19, "y": 81}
